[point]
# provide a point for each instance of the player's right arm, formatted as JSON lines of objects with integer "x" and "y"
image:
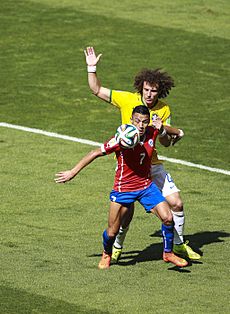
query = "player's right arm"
{"x": 64, "y": 176}
{"x": 93, "y": 81}
{"x": 107, "y": 148}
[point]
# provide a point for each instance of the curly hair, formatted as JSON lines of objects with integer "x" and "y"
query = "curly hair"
{"x": 154, "y": 77}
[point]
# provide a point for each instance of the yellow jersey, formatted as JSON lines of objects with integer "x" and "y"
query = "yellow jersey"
{"x": 127, "y": 101}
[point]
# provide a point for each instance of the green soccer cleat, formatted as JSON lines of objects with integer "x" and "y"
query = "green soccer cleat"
{"x": 116, "y": 254}
{"x": 186, "y": 251}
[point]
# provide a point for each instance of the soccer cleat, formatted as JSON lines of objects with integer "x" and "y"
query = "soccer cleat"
{"x": 116, "y": 254}
{"x": 105, "y": 261}
{"x": 172, "y": 258}
{"x": 186, "y": 251}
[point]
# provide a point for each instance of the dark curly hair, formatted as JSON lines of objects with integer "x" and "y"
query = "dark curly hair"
{"x": 158, "y": 77}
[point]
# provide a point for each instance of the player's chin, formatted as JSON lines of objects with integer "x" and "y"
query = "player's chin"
{"x": 149, "y": 102}
{"x": 141, "y": 132}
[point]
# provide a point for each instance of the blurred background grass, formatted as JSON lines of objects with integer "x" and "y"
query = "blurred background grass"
{"x": 44, "y": 79}
{"x": 51, "y": 234}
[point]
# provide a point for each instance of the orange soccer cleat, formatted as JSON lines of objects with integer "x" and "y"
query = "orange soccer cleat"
{"x": 172, "y": 258}
{"x": 105, "y": 261}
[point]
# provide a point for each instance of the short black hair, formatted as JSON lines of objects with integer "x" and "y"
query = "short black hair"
{"x": 141, "y": 109}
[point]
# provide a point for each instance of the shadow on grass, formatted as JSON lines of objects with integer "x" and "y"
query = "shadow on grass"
{"x": 17, "y": 301}
{"x": 154, "y": 251}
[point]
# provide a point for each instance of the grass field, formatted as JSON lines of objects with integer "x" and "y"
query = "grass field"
{"x": 51, "y": 234}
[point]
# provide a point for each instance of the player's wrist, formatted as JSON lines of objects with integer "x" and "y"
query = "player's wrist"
{"x": 181, "y": 133}
{"x": 91, "y": 68}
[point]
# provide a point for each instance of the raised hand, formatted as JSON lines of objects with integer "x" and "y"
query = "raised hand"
{"x": 157, "y": 123}
{"x": 90, "y": 56}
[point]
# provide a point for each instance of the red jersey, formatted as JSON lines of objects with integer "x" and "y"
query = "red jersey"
{"x": 133, "y": 165}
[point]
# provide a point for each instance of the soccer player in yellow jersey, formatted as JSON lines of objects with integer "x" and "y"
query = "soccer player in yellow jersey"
{"x": 151, "y": 86}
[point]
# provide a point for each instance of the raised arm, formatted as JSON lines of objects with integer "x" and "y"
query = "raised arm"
{"x": 64, "y": 176}
{"x": 93, "y": 81}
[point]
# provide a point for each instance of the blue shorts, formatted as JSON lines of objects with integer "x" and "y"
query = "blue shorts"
{"x": 148, "y": 198}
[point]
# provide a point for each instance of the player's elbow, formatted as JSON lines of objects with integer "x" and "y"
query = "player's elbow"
{"x": 96, "y": 153}
{"x": 166, "y": 144}
{"x": 166, "y": 141}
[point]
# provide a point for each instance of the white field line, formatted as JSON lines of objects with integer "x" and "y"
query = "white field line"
{"x": 92, "y": 143}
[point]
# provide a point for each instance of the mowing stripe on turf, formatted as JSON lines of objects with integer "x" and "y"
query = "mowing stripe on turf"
{"x": 92, "y": 143}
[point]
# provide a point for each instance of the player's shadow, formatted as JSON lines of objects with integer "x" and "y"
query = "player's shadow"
{"x": 154, "y": 251}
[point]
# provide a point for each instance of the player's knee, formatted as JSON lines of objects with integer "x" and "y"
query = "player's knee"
{"x": 167, "y": 219}
{"x": 127, "y": 217}
{"x": 177, "y": 205}
{"x": 112, "y": 231}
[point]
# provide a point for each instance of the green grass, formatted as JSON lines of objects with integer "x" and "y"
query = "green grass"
{"x": 44, "y": 80}
{"x": 51, "y": 234}
{"x": 49, "y": 254}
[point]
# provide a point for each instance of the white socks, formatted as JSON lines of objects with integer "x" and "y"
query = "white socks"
{"x": 120, "y": 238}
{"x": 178, "y": 218}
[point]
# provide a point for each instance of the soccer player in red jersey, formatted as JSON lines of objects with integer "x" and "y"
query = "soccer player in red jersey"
{"x": 151, "y": 86}
{"x": 132, "y": 183}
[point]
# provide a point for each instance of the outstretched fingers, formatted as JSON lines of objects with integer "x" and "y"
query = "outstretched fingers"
{"x": 62, "y": 177}
{"x": 91, "y": 58}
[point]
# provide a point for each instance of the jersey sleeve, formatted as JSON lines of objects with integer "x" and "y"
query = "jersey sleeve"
{"x": 110, "y": 146}
{"x": 166, "y": 118}
{"x": 120, "y": 98}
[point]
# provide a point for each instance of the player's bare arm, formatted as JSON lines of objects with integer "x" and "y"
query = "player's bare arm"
{"x": 171, "y": 130}
{"x": 93, "y": 81}
{"x": 164, "y": 138}
{"x": 64, "y": 176}
{"x": 175, "y": 133}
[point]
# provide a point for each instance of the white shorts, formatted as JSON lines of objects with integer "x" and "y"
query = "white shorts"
{"x": 163, "y": 180}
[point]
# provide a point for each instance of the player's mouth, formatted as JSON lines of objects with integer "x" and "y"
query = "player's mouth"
{"x": 149, "y": 101}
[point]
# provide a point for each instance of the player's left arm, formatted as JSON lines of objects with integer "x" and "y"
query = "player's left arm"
{"x": 64, "y": 176}
{"x": 164, "y": 138}
{"x": 175, "y": 133}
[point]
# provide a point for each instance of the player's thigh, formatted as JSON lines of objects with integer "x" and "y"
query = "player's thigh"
{"x": 158, "y": 175}
{"x": 125, "y": 200}
{"x": 127, "y": 215}
{"x": 163, "y": 180}
{"x": 114, "y": 213}
{"x": 150, "y": 197}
